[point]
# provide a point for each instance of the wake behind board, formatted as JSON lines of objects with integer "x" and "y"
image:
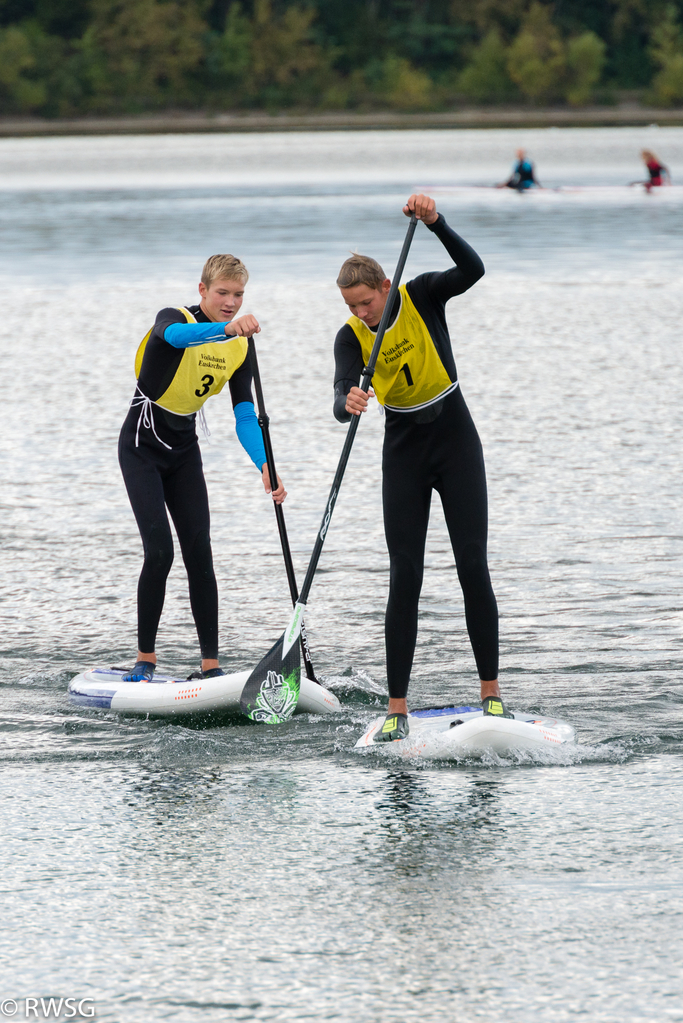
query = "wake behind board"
{"x": 166, "y": 696}
{"x": 457, "y": 731}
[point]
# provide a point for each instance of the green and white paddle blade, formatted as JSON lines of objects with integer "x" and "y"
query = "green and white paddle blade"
{"x": 294, "y": 627}
{"x": 271, "y": 692}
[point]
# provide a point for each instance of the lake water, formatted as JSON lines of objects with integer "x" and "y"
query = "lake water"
{"x": 163, "y": 871}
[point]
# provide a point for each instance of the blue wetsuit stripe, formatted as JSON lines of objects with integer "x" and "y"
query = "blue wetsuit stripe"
{"x": 187, "y": 335}
{"x": 249, "y": 432}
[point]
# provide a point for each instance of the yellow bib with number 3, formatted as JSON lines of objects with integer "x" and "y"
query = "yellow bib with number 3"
{"x": 409, "y": 372}
{"x": 204, "y": 370}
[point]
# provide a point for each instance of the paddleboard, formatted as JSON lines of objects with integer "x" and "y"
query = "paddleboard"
{"x": 543, "y": 190}
{"x": 436, "y": 731}
{"x": 165, "y": 696}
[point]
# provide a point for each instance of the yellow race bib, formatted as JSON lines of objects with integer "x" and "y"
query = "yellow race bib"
{"x": 204, "y": 370}
{"x": 409, "y": 372}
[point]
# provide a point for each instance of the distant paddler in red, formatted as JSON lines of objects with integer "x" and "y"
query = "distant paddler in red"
{"x": 659, "y": 173}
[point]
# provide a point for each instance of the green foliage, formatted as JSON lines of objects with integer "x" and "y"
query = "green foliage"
{"x": 537, "y": 59}
{"x": 547, "y": 68}
{"x": 140, "y": 53}
{"x": 429, "y": 34}
{"x": 69, "y": 57}
{"x": 585, "y": 61}
{"x": 486, "y": 79}
{"x": 270, "y": 59}
{"x": 667, "y": 53}
{"x": 228, "y": 54}
{"x": 60, "y": 67}
{"x": 405, "y": 87}
{"x": 17, "y": 57}
{"x": 67, "y": 19}
{"x": 287, "y": 66}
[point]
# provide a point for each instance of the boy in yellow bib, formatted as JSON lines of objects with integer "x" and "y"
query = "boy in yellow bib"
{"x": 430, "y": 444}
{"x": 189, "y": 354}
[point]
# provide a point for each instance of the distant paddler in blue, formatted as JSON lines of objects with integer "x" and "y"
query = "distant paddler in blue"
{"x": 430, "y": 443}
{"x": 523, "y": 176}
{"x": 189, "y": 355}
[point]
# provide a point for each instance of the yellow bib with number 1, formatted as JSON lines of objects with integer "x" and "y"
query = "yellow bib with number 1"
{"x": 409, "y": 373}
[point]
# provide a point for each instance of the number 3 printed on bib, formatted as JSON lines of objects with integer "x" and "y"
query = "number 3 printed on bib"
{"x": 207, "y": 381}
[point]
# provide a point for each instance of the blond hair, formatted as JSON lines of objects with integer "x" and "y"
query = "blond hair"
{"x": 361, "y": 270}
{"x": 224, "y": 268}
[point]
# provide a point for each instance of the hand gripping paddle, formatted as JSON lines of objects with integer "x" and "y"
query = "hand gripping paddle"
{"x": 271, "y": 692}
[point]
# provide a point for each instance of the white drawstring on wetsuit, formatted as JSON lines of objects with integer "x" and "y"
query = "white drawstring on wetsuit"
{"x": 204, "y": 426}
{"x": 146, "y": 417}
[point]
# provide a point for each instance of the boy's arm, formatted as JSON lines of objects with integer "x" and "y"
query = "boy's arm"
{"x": 246, "y": 424}
{"x": 186, "y": 335}
{"x": 348, "y": 367}
{"x": 171, "y": 326}
{"x": 247, "y": 427}
{"x": 468, "y": 268}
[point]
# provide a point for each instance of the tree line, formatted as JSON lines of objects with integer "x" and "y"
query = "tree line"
{"x": 61, "y": 58}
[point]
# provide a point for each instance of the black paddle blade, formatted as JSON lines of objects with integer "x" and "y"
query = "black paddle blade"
{"x": 271, "y": 692}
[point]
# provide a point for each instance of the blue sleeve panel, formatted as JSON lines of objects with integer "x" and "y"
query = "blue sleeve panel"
{"x": 186, "y": 335}
{"x": 249, "y": 433}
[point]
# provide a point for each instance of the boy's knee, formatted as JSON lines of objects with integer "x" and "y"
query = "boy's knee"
{"x": 405, "y": 579}
{"x": 159, "y": 551}
{"x": 472, "y": 566}
{"x": 201, "y": 553}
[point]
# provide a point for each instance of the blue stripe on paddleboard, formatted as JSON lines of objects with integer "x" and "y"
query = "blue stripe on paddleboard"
{"x": 156, "y": 678}
{"x": 95, "y": 698}
{"x": 436, "y": 712}
{"x": 160, "y": 679}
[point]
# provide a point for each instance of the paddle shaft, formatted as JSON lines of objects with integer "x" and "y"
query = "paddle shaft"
{"x": 368, "y": 374}
{"x": 264, "y": 423}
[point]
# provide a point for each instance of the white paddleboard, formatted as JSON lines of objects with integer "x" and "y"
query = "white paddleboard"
{"x": 600, "y": 190}
{"x": 436, "y": 731}
{"x": 164, "y": 696}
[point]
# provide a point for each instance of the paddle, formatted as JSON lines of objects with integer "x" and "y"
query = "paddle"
{"x": 264, "y": 423}
{"x": 272, "y": 690}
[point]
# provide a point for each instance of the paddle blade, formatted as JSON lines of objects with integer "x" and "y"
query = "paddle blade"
{"x": 271, "y": 692}
{"x": 294, "y": 628}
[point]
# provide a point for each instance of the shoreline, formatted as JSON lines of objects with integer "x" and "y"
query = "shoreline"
{"x": 626, "y": 115}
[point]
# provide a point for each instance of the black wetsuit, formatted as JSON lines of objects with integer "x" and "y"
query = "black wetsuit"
{"x": 158, "y": 477}
{"x": 434, "y": 449}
